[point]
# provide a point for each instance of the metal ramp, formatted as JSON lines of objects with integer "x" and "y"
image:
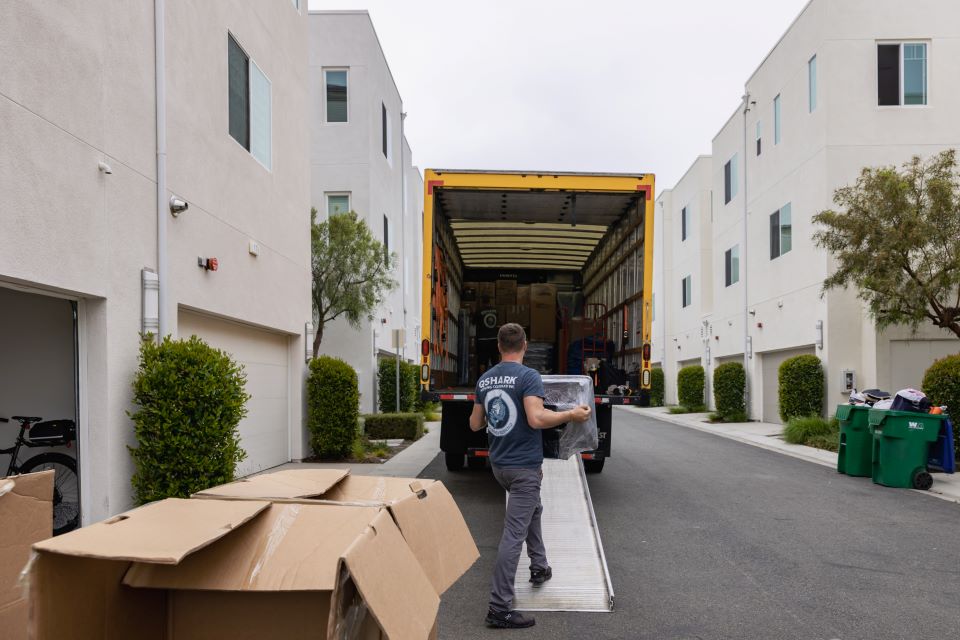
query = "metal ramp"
{"x": 581, "y": 579}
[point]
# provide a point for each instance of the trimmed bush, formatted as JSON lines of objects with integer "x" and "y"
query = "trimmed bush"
{"x": 813, "y": 431}
{"x": 800, "y": 383}
{"x": 941, "y": 383}
{"x": 387, "y": 386}
{"x": 729, "y": 382}
{"x": 387, "y": 426}
{"x": 333, "y": 407}
{"x": 690, "y": 384}
{"x": 657, "y": 385}
{"x": 191, "y": 398}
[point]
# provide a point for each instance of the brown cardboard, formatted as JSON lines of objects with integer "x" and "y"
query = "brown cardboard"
{"x": 469, "y": 292}
{"x": 523, "y": 295}
{"x": 543, "y": 312}
{"x": 486, "y": 294}
{"x": 506, "y": 291}
{"x": 519, "y": 314}
{"x": 243, "y": 569}
{"x": 424, "y": 511}
{"x": 280, "y": 484}
{"x": 26, "y": 517}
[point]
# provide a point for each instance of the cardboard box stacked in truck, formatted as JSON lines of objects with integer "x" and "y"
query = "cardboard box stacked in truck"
{"x": 523, "y": 295}
{"x": 26, "y": 517}
{"x": 486, "y": 294}
{"x": 506, "y": 292}
{"x": 321, "y": 555}
{"x": 543, "y": 312}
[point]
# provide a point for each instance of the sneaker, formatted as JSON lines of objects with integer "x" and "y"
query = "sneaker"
{"x": 539, "y": 576}
{"x": 509, "y": 620}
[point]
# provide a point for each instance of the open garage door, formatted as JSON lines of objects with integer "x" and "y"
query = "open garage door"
{"x": 770, "y": 369}
{"x": 264, "y": 433}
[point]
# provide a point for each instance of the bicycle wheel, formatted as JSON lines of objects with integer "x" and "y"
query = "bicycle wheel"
{"x": 66, "y": 488}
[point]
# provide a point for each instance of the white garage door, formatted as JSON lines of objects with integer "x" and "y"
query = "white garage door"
{"x": 771, "y": 388}
{"x": 910, "y": 359}
{"x": 264, "y": 433}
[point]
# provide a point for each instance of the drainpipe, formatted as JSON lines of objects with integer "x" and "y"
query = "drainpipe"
{"x": 403, "y": 235}
{"x": 159, "y": 11}
{"x": 747, "y": 396}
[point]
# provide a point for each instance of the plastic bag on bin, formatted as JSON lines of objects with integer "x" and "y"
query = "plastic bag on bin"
{"x": 562, "y": 393}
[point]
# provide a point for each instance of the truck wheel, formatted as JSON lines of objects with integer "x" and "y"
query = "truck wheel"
{"x": 593, "y": 466}
{"x": 476, "y": 462}
{"x": 454, "y": 461}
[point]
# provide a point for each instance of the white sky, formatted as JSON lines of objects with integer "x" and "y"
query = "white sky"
{"x": 606, "y": 85}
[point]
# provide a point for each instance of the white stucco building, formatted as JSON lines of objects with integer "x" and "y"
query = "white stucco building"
{"x": 361, "y": 161}
{"x": 87, "y": 178}
{"x": 852, "y": 83}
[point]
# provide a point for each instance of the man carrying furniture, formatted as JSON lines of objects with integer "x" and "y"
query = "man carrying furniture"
{"x": 510, "y": 405}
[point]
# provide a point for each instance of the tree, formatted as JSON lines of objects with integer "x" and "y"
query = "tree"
{"x": 351, "y": 271}
{"x": 896, "y": 240}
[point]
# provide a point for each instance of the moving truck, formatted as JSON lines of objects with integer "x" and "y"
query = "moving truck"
{"x": 567, "y": 255}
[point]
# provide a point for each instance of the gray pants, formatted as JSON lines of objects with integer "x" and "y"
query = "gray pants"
{"x": 522, "y": 523}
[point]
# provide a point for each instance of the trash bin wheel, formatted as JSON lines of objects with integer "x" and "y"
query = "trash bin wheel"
{"x": 922, "y": 480}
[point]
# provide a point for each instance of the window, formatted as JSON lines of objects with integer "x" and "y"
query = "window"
{"x": 902, "y": 74}
{"x": 730, "y": 181}
{"x": 731, "y": 266}
{"x": 684, "y": 224}
{"x": 336, "y": 94}
{"x": 776, "y": 120}
{"x": 758, "y": 138}
{"x": 812, "y": 83}
{"x": 385, "y": 131}
{"x": 250, "y": 104}
{"x": 337, "y": 203}
{"x": 686, "y": 293}
{"x": 781, "y": 232}
{"x": 386, "y": 237}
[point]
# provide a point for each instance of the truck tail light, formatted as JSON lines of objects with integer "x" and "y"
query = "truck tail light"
{"x": 645, "y": 381}
{"x": 425, "y": 348}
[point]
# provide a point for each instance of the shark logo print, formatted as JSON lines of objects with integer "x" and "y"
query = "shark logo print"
{"x": 501, "y": 412}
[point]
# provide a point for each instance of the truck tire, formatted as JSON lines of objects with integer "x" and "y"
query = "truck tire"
{"x": 593, "y": 466}
{"x": 454, "y": 461}
{"x": 476, "y": 462}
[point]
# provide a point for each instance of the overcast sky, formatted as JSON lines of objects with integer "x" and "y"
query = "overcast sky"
{"x": 606, "y": 85}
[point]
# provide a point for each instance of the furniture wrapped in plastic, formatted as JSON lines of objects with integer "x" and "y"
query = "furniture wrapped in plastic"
{"x": 562, "y": 393}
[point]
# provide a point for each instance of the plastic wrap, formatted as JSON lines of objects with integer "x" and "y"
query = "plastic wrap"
{"x": 563, "y": 393}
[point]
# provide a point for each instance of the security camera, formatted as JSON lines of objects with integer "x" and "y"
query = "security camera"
{"x": 177, "y": 206}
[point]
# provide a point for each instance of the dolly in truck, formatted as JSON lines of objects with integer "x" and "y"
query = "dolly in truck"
{"x": 568, "y": 256}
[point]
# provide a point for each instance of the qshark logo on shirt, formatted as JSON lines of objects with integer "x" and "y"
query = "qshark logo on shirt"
{"x": 501, "y": 412}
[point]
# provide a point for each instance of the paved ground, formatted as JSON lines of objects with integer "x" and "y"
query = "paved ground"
{"x": 711, "y": 538}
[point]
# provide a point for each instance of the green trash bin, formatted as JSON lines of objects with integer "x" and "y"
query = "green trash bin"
{"x": 901, "y": 444}
{"x": 855, "y": 455}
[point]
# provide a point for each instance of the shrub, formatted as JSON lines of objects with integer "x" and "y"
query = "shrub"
{"x": 690, "y": 383}
{"x": 385, "y": 426}
{"x": 387, "y": 386}
{"x": 729, "y": 382}
{"x": 813, "y": 431}
{"x": 191, "y": 398}
{"x": 333, "y": 407}
{"x": 657, "y": 384}
{"x": 941, "y": 383}
{"x": 800, "y": 382}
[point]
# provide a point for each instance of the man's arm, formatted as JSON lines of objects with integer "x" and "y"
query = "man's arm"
{"x": 478, "y": 419}
{"x": 539, "y": 417}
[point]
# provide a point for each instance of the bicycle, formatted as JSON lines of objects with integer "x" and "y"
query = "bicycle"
{"x": 66, "y": 484}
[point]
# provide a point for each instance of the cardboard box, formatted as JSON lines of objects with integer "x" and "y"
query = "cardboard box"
{"x": 506, "y": 292}
{"x": 543, "y": 312}
{"x": 523, "y": 295}
{"x": 519, "y": 314}
{"x": 486, "y": 294}
{"x": 217, "y": 569}
{"x": 470, "y": 292}
{"x": 26, "y": 517}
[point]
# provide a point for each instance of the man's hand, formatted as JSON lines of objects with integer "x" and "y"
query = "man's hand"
{"x": 580, "y": 414}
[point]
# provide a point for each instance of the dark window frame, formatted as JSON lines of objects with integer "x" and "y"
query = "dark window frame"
{"x": 888, "y": 75}
{"x": 336, "y": 97}
{"x": 238, "y": 114}
{"x": 684, "y": 231}
{"x": 384, "y": 134}
{"x": 386, "y": 237}
{"x": 727, "y": 182}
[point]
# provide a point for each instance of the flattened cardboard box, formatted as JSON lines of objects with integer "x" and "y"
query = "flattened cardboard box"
{"x": 237, "y": 569}
{"x": 424, "y": 511}
{"x": 26, "y": 516}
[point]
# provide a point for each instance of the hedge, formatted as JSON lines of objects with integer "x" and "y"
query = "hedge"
{"x": 729, "y": 383}
{"x": 800, "y": 384}
{"x": 333, "y": 407}
{"x": 690, "y": 385}
{"x": 657, "y": 384}
{"x": 385, "y": 426}
{"x": 387, "y": 386}
{"x": 941, "y": 383}
{"x": 191, "y": 398}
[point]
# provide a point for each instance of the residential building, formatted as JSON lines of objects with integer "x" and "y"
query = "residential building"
{"x": 360, "y": 160}
{"x": 850, "y": 84}
{"x": 95, "y": 145}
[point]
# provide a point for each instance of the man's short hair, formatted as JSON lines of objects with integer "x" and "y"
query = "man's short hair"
{"x": 511, "y": 338}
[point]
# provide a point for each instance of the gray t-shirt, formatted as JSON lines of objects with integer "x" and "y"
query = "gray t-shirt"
{"x": 514, "y": 444}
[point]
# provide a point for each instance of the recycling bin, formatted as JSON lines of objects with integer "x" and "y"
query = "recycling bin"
{"x": 901, "y": 446}
{"x": 855, "y": 455}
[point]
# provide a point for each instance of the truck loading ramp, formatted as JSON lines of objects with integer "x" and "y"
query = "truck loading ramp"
{"x": 581, "y": 578}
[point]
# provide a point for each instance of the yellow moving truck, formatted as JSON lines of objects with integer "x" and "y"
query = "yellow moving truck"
{"x": 567, "y": 255}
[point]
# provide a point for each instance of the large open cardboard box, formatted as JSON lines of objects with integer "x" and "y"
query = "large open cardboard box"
{"x": 238, "y": 569}
{"x": 26, "y": 516}
{"x": 423, "y": 510}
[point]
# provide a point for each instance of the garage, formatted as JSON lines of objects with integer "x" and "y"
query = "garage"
{"x": 910, "y": 359}
{"x": 264, "y": 433}
{"x": 770, "y": 366}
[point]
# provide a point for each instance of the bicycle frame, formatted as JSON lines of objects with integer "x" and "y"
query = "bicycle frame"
{"x": 14, "y": 451}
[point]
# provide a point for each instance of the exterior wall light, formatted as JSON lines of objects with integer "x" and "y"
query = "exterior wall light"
{"x": 308, "y": 337}
{"x": 150, "y": 305}
{"x": 819, "y": 334}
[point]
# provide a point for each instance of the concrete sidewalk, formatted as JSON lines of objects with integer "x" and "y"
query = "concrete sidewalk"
{"x": 406, "y": 464}
{"x": 769, "y": 436}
